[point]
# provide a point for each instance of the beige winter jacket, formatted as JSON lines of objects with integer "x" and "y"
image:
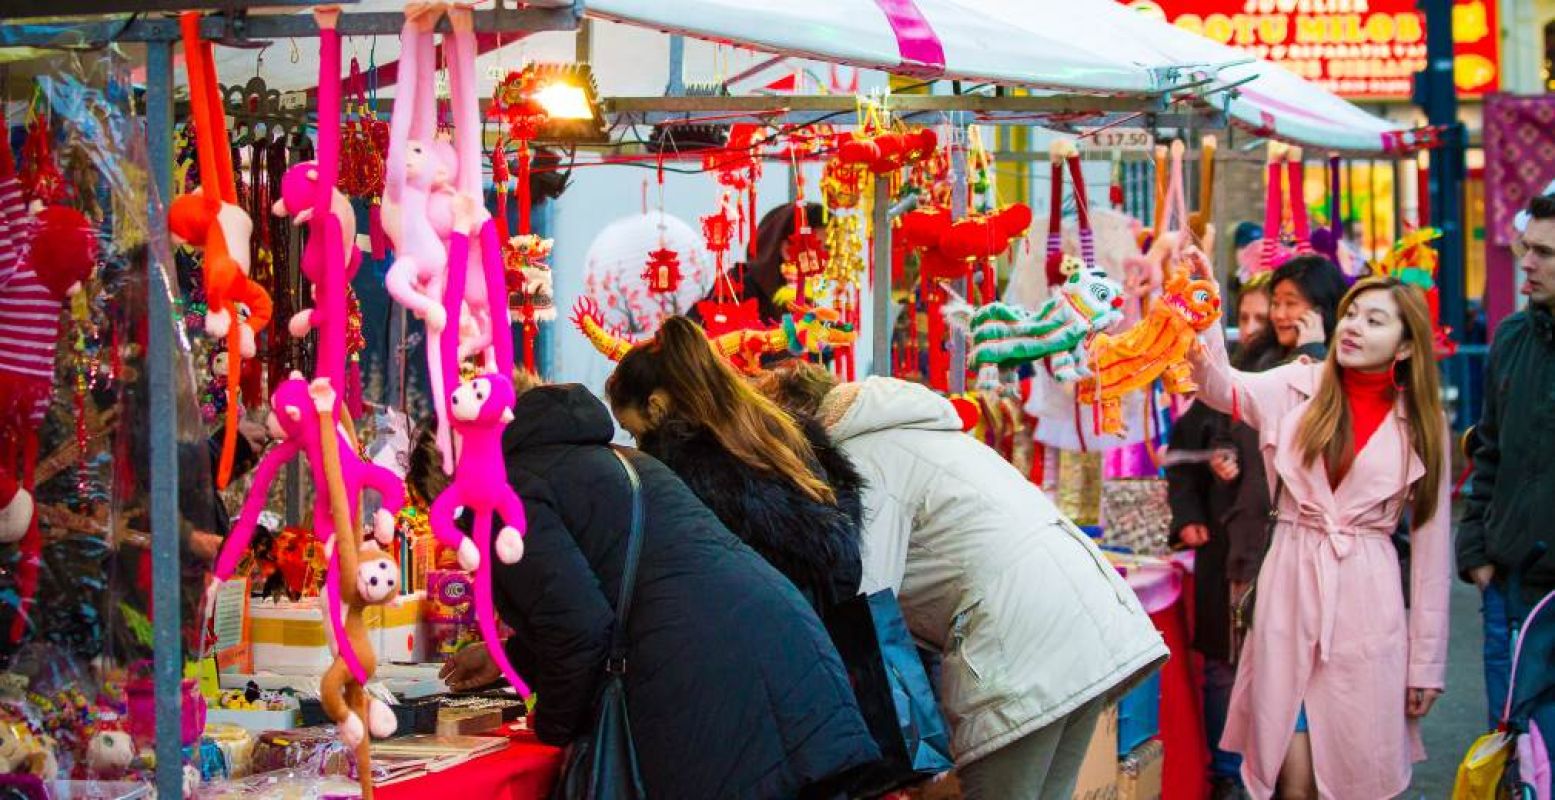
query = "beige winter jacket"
{"x": 1030, "y": 617}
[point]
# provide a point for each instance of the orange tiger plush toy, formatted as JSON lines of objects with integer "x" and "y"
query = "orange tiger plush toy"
{"x": 1156, "y": 347}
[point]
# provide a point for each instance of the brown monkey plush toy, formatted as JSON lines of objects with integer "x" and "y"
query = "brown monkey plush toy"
{"x": 367, "y": 577}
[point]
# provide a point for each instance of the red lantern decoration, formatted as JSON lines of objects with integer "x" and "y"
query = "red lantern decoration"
{"x": 892, "y": 149}
{"x": 923, "y": 227}
{"x": 921, "y": 145}
{"x": 662, "y": 273}
{"x": 935, "y": 265}
{"x": 858, "y": 152}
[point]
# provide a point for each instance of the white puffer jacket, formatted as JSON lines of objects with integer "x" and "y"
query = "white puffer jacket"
{"x": 1030, "y": 617}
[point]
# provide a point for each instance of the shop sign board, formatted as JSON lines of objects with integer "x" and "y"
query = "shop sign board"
{"x": 1360, "y": 49}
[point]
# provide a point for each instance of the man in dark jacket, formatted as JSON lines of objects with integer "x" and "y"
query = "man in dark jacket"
{"x": 1512, "y": 488}
{"x": 733, "y": 686}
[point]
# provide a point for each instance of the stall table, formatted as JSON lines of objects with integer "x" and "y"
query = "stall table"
{"x": 525, "y": 770}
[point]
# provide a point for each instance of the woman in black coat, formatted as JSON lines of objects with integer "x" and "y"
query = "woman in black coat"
{"x": 733, "y": 687}
{"x": 777, "y": 484}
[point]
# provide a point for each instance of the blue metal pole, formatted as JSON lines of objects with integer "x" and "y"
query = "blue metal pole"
{"x": 1436, "y": 93}
{"x": 163, "y": 431}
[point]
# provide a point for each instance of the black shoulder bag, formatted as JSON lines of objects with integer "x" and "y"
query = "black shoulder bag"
{"x": 1242, "y": 606}
{"x": 602, "y": 765}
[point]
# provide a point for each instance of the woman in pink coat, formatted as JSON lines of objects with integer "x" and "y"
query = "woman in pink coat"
{"x": 1335, "y": 673}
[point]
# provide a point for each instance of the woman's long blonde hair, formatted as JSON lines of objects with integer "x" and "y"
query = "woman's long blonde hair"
{"x": 1326, "y": 431}
{"x": 705, "y": 390}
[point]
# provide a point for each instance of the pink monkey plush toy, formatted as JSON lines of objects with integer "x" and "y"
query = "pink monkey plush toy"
{"x": 294, "y": 421}
{"x": 480, "y": 408}
{"x": 418, "y": 189}
{"x": 309, "y": 196}
{"x": 476, "y": 323}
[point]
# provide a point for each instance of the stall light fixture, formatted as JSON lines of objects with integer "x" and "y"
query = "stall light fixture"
{"x": 571, "y": 101}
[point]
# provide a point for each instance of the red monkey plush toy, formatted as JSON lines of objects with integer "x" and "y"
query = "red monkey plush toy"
{"x": 44, "y": 258}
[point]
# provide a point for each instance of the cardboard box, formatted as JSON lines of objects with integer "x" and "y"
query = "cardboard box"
{"x": 1099, "y": 772}
{"x": 1139, "y": 773}
{"x": 253, "y": 721}
{"x": 289, "y": 635}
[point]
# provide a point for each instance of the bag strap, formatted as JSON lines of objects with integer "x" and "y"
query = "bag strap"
{"x": 616, "y": 663}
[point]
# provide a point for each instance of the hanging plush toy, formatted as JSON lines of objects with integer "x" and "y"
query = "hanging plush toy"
{"x": 1285, "y": 192}
{"x": 292, "y": 422}
{"x": 417, "y": 210}
{"x": 366, "y": 577}
{"x": 210, "y": 219}
{"x": 479, "y": 410}
{"x": 43, "y": 260}
{"x": 480, "y": 304}
{"x": 309, "y": 196}
{"x": 1157, "y": 347}
{"x": 1007, "y": 336}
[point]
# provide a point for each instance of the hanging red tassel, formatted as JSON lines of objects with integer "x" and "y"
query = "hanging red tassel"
{"x": 499, "y": 182}
{"x": 523, "y": 188}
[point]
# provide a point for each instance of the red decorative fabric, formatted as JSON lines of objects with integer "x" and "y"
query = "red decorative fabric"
{"x": 1519, "y": 158}
{"x": 1185, "y": 770}
{"x": 526, "y": 770}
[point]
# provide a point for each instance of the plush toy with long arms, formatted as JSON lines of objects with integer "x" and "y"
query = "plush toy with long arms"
{"x": 417, "y": 200}
{"x": 292, "y": 423}
{"x": 44, "y": 259}
{"x": 1087, "y": 303}
{"x": 366, "y": 577}
{"x": 309, "y": 196}
{"x": 476, "y": 327}
{"x": 211, "y": 220}
{"x": 479, "y": 410}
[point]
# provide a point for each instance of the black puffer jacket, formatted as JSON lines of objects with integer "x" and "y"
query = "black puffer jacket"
{"x": 733, "y": 686}
{"x": 815, "y": 544}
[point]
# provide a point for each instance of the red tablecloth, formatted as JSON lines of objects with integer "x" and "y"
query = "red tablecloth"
{"x": 525, "y": 770}
{"x": 1185, "y": 770}
{"x": 1166, "y": 592}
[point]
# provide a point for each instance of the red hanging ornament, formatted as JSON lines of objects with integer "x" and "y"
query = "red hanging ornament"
{"x": 718, "y": 231}
{"x": 662, "y": 274}
{"x": 514, "y": 104}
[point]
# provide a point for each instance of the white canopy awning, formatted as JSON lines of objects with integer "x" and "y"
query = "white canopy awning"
{"x": 1074, "y": 46}
{"x": 1093, "y": 46}
{"x": 934, "y": 38}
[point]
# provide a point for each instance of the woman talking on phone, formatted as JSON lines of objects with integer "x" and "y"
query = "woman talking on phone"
{"x": 1335, "y": 673}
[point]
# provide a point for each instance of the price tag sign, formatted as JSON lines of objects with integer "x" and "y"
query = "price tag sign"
{"x": 1131, "y": 140}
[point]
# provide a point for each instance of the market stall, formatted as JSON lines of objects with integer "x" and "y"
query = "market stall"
{"x": 251, "y": 292}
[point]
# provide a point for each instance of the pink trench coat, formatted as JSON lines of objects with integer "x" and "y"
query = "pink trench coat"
{"x": 1330, "y": 627}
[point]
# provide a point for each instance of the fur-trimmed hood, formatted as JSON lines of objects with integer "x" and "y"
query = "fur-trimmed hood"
{"x": 814, "y": 544}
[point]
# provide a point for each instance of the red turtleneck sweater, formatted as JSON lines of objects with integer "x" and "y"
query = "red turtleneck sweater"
{"x": 1371, "y": 396}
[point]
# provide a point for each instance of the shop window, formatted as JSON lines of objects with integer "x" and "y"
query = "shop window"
{"x": 1549, "y": 56}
